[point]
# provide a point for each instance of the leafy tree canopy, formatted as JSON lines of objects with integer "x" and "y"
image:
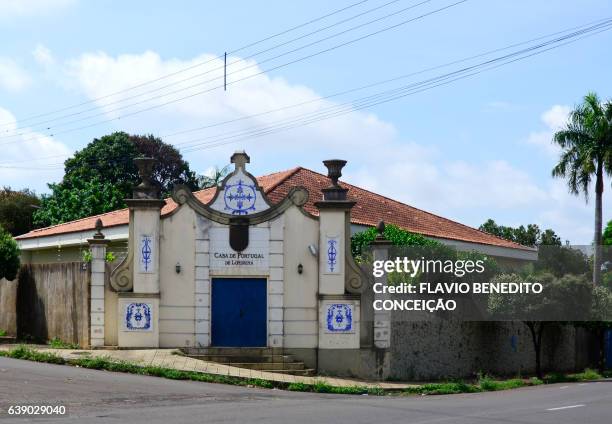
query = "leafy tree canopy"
{"x": 9, "y": 256}
{"x": 393, "y": 233}
{"x": 214, "y": 177}
{"x": 559, "y": 296}
{"x": 99, "y": 177}
{"x": 16, "y": 210}
{"x": 607, "y": 235}
{"x": 527, "y": 236}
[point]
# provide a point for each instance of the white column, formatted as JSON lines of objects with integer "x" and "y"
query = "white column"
{"x": 202, "y": 283}
{"x": 382, "y": 319}
{"x": 276, "y": 285}
{"x": 97, "y": 246}
{"x": 332, "y": 227}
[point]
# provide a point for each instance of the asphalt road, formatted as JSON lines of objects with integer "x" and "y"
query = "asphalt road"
{"x": 103, "y": 397}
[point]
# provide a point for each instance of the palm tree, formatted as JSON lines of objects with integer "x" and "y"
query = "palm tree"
{"x": 586, "y": 143}
{"x": 214, "y": 177}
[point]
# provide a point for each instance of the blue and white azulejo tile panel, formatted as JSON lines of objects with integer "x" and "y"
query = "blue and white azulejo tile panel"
{"x": 240, "y": 196}
{"x": 332, "y": 255}
{"x": 339, "y": 318}
{"x": 146, "y": 253}
{"x": 138, "y": 317}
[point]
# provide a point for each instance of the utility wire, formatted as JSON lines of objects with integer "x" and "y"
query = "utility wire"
{"x": 394, "y": 94}
{"x": 235, "y": 81}
{"x": 174, "y": 83}
{"x": 335, "y": 12}
{"x": 219, "y": 77}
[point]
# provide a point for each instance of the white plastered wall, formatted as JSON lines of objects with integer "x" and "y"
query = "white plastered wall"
{"x": 176, "y": 309}
{"x": 300, "y": 294}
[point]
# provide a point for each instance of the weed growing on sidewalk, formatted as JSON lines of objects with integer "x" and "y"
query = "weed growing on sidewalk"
{"x": 484, "y": 383}
{"x": 56, "y": 343}
{"x": 106, "y": 364}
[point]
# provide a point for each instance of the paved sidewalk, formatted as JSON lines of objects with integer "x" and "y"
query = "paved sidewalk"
{"x": 168, "y": 359}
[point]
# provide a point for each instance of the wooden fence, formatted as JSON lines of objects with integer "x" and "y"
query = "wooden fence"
{"x": 8, "y": 306}
{"x": 52, "y": 300}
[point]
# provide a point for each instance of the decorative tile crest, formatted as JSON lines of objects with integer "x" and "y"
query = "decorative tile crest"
{"x": 239, "y": 193}
{"x": 240, "y": 197}
{"x": 138, "y": 317}
{"x": 340, "y": 318}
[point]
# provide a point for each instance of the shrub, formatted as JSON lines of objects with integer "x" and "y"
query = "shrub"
{"x": 9, "y": 256}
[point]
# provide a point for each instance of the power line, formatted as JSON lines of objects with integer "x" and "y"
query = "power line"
{"x": 235, "y": 81}
{"x": 218, "y": 68}
{"x": 397, "y": 93}
{"x": 335, "y": 12}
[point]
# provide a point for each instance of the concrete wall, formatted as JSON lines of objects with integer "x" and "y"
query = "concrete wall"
{"x": 8, "y": 306}
{"x": 446, "y": 349}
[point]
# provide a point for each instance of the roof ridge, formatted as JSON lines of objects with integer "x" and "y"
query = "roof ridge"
{"x": 423, "y": 211}
{"x": 73, "y": 221}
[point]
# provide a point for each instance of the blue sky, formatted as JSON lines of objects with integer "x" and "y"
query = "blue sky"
{"x": 470, "y": 150}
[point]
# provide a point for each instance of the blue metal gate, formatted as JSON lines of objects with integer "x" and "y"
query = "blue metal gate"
{"x": 239, "y": 312}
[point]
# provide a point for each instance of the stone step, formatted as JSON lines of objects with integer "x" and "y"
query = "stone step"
{"x": 231, "y": 359}
{"x": 7, "y": 340}
{"x": 270, "y": 366}
{"x": 307, "y": 372}
{"x": 245, "y": 351}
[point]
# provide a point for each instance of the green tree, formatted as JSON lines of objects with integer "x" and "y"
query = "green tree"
{"x": 606, "y": 237}
{"x": 601, "y": 315}
{"x": 214, "y": 177}
{"x": 393, "y": 233}
{"x": 99, "y": 177}
{"x": 16, "y": 210}
{"x": 549, "y": 238}
{"x": 9, "y": 256}
{"x": 586, "y": 143}
{"x": 527, "y": 236}
{"x": 538, "y": 312}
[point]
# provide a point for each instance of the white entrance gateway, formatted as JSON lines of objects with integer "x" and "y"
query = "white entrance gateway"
{"x": 237, "y": 271}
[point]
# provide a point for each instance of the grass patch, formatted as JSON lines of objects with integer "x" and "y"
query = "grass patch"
{"x": 487, "y": 384}
{"x": 107, "y": 364}
{"x": 2, "y": 333}
{"x": 482, "y": 384}
{"x": 586, "y": 375}
{"x": 56, "y": 343}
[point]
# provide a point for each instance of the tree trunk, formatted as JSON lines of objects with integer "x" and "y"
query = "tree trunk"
{"x": 599, "y": 186}
{"x": 536, "y": 337}
{"x": 601, "y": 336}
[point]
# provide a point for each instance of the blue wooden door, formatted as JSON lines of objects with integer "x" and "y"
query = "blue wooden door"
{"x": 239, "y": 312}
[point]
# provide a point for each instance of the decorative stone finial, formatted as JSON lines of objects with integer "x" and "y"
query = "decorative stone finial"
{"x": 334, "y": 169}
{"x": 380, "y": 228}
{"x": 147, "y": 189}
{"x": 240, "y": 159}
{"x": 98, "y": 234}
{"x": 334, "y": 193}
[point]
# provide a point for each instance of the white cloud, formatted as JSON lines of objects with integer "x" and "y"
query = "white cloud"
{"x": 12, "y": 76}
{"x": 18, "y": 168}
{"x": 43, "y": 56}
{"x": 469, "y": 191}
{"x": 10, "y": 9}
{"x": 554, "y": 119}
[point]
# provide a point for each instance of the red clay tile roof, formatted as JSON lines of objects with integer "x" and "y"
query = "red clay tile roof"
{"x": 369, "y": 209}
